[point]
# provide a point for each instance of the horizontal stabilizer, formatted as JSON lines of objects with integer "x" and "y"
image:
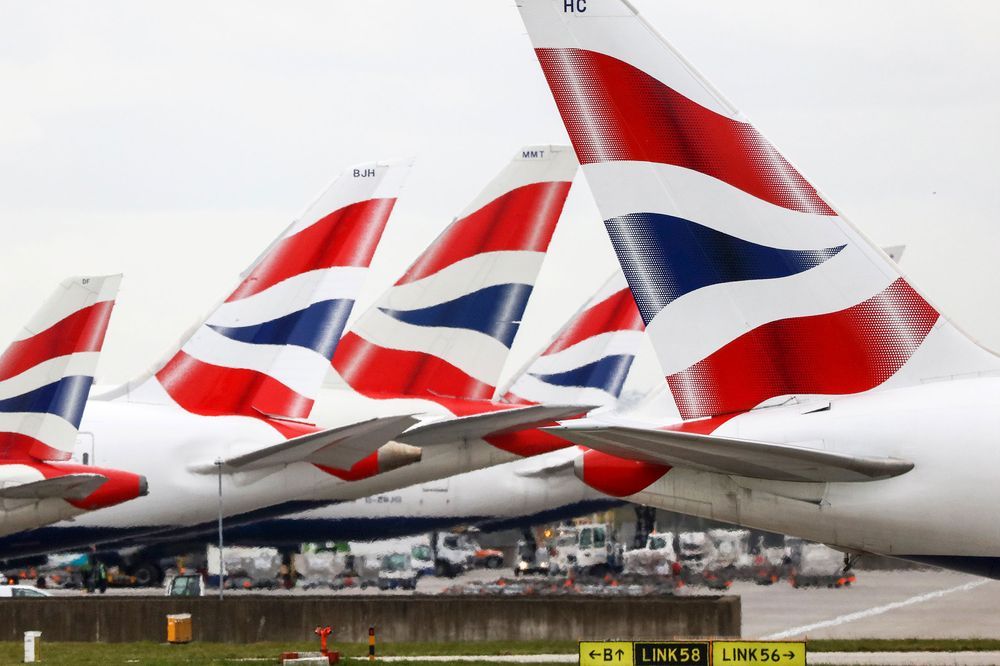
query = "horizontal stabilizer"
{"x": 478, "y": 426}
{"x": 337, "y": 447}
{"x": 724, "y": 455}
{"x": 68, "y": 487}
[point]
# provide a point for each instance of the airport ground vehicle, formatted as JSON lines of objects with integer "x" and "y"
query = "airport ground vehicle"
{"x": 185, "y": 585}
{"x": 532, "y": 558}
{"x": 694, "y": 551}
{"x": 359, "y": 571}
{"x": 488, "y": 558}
{"x": 564, "y": 550}
{"x": 730, "y": 558}
{"x": 816, "y": 565}
{"x": 656, "y": 558}
{"x": 423, "y": 559}
{"x": 821, "y": 395}
{"x": 589, "y": 549}
{"x": 21, "y": 592}
{"x": 768, "y": 566}
{"x": 396, "y": 572}
{"x": 452, "y": 554}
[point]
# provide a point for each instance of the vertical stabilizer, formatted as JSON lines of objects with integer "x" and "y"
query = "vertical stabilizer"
{"x": 267, "y": 348}
{"x": 753, "y": 287}
{"x": 444, "y": 330}
{"x": 47, "y": 372}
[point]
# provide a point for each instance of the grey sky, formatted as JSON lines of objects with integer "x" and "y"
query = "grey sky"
{"x": 172, "y": 140}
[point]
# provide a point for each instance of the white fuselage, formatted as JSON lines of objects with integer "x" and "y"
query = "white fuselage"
{"x": 515, "y": 494}
{"x": 168, "y": 445}
{"x": 508, "y": 491}
{"x": 944, "y": 506}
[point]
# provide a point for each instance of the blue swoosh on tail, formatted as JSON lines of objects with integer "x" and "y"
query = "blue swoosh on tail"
{"x": 317, "y": 327}
{"x": 607, "y": 374}
{"x": 495, "y": 311}
{"x": 665, "y": 257}
{"x": 65, "y": 398}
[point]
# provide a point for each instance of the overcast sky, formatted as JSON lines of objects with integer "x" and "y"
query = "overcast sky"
{"x": 172, "y": 140}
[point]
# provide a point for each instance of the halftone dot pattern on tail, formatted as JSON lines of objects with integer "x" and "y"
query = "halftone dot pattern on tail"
{"x": 616, "y": 112}
{"x": 589, "y": 359}
{"x": 266, "y": 349}
{"x": 444, "y": 330}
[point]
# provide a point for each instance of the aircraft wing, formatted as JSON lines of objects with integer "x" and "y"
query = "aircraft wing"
{"x": 725, "y": 455}
{"x": 477, "y": 426}
{"x": 337, "y": 447}
{"x": 68, "y": 486}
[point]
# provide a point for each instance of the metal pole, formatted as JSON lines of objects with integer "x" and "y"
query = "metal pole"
{"x": 218, "y": 463}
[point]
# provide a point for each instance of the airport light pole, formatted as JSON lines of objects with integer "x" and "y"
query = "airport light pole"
{"x": 218, "y": 464}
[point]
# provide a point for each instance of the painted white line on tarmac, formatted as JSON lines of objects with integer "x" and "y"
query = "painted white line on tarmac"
{"x": 877, "y": 610}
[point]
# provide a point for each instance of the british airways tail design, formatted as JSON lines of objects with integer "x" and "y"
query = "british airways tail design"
{"x": 823, "y": 396}
{"x": 266, "y": 349}
{"x": 589, "y": 359}
{"x": 46, "y": 373}
{"x": 445, "y": 329}
{"x": 45, "y": 377}
{"x": 752, "y": 287}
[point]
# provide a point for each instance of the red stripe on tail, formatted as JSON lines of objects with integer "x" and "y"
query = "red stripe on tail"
{"x": 522, "y": 219}
{"x": 617, "y": 312}
{"x": 206, "y": 389}
{"x": 82, "y": 331}
{"x": 14, "y": 447}
{"x": 838, "y": 353}
{"x": 614, "y": 112}
{"x": 345, "y": 237}
{"x": 379, "y": 372}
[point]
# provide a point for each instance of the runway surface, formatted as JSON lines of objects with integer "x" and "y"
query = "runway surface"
{"x": 881, "y": 604}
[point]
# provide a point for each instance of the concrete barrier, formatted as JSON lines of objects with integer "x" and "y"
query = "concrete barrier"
{"x": 249, "y": 619}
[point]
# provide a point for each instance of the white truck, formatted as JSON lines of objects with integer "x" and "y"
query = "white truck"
{"x": 589, "y": 549}
{"x": 453, "y": 553}
{"x": 695, "y": 551}
{"x": 655, "y": 559}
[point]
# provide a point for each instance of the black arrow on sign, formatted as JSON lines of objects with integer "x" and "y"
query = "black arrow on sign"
{"x": 619, "y": 653}
{"x": 789, "y": 654}
{"x": 593, "y": 654}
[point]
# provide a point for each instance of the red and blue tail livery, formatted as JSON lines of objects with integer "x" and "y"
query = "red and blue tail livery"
{"x": 445, "y": 328}
{"x": 47, "y": 372}
{"x": 752, "y": 287}
{"x": 266, "y": 349}
{"x": 589, "y": 359}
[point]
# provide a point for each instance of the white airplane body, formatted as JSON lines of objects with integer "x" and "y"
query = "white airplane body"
{"x": 517, "y": 494}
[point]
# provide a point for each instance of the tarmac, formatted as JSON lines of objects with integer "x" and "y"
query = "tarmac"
{"x": 881, "y": 604}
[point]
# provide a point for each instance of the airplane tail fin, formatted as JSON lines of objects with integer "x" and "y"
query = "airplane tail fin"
{"x": 444, "y": 330}
{"x": 266, "y": 349}
{"x": 589, "y": 359}
{"x": 754, "y": 289}
{"x": 47, "y": 372}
